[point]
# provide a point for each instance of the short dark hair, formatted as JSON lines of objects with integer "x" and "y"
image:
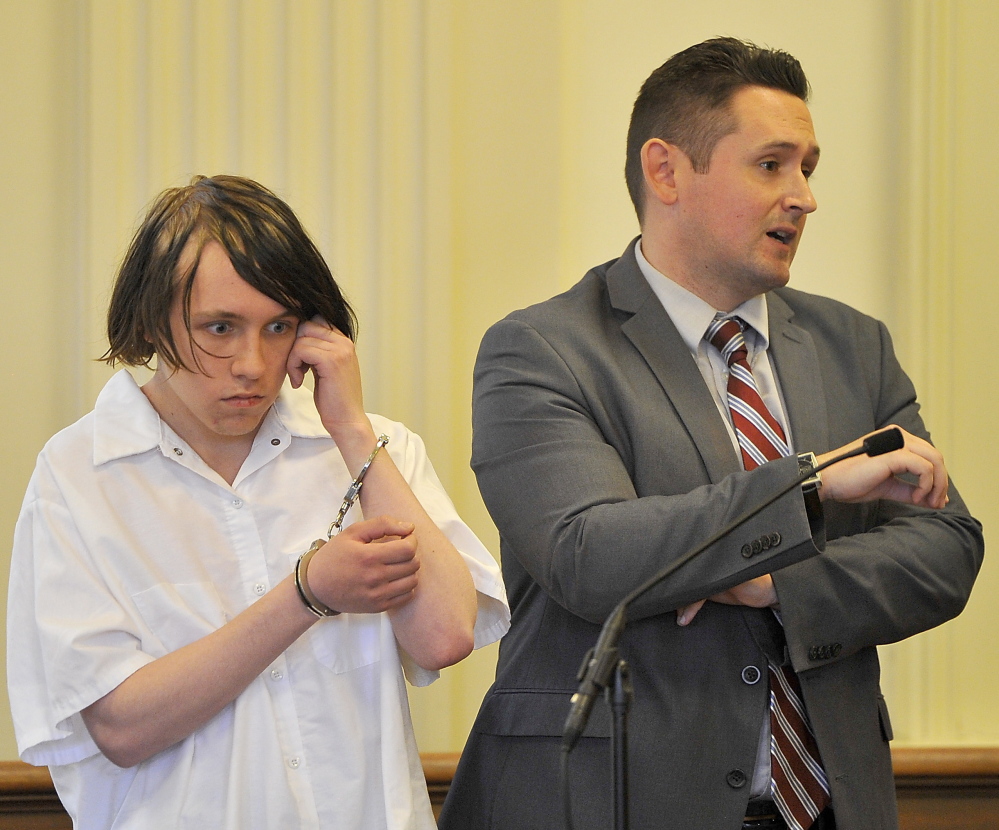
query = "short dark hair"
{"x": 686, "y": 101}
{"x": 264, "y": 240}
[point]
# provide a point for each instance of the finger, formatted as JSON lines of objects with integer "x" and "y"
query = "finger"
{"x": 921, "y": 460}
{"x": 323, "y": 323}
{"x": 371, "y": 530}
{"x": 688, "y": 612}
{"x": 317, "y": 327}
{"x": 937, "y": 496}
{"x": 928, "y": 464}
{"x": 296, "y": 367}
{"x": 382, "y": 573}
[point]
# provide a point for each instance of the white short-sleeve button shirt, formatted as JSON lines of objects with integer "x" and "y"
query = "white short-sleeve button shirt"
{"x": 129, "y": 546}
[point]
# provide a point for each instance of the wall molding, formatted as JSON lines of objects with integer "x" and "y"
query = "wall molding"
{"x": 939, "y": 788}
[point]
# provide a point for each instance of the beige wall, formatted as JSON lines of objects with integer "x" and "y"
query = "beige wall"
{"x": 456, "y": 159}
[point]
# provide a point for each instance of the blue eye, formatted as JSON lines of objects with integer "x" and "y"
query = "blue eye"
{"x": 218, "y": 328}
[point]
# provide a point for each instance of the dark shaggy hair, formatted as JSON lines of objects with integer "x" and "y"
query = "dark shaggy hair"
{"x": 686, "y": 101}
{"x": 264, "y": 240}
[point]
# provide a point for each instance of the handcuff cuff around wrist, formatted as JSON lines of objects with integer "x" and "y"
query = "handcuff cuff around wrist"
{"x": 309, "y": 599}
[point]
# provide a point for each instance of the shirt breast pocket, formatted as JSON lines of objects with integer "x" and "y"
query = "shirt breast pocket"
{"x": 347, "y": 641}
{"x": 177, "y": 615}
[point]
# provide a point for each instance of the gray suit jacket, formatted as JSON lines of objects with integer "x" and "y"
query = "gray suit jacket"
{"x": 601, "y": 456}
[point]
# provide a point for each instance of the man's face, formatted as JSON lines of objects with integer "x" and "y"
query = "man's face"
{"x": 742, "y": 220}
{"x": 244, "y": 338}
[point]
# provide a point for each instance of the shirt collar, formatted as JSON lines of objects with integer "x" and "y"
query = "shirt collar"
{"x": 692, "y": 316}
{"x": 126, "y": 424}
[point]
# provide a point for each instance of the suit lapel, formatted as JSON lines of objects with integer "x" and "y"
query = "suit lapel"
{"x": 655, "y": 337}
{"x": 796, "y": 364}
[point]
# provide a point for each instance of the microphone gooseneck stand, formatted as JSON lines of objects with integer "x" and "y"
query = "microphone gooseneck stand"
{"x": 603, "y": 660}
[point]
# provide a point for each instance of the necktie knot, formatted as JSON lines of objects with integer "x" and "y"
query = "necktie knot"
{"x": 760, "y": 436}
{"x": 727, "y": 335}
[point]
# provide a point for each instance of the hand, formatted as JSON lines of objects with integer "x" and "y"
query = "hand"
{"x": 756, "y": 593}
{"x": 331, "y": 356}
{"x": 368, "y": 568}
{"x": 863, "y": 478}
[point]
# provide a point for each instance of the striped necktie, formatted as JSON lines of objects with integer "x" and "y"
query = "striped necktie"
{"x": 799, "y": 784}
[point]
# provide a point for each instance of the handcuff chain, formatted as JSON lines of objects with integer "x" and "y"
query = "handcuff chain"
{"x": 355, "y": 489}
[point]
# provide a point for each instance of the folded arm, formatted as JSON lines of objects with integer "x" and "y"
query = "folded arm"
{"x": 436, "y": 622}
{"x": 557, "y": 470}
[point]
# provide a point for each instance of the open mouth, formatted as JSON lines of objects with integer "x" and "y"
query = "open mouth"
{"x": 781, "y": 236}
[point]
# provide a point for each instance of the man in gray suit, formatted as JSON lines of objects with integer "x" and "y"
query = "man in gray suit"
{"x": 605, "y": 448}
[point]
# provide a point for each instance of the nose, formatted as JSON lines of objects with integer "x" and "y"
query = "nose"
{"x": 248, "y": 360}
{"x": 799, "y": 197}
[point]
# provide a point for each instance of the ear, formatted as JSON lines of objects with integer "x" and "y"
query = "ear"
{"x": 659, "y": 165}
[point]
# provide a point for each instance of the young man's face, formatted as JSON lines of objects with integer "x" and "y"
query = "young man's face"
{"x": 744, "y": 217}
{"x": 244, "y": 338}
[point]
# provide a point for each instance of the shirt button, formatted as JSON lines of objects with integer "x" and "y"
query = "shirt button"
{"x": 751, "y": 675}
{"x": 260, "y": 589}
{"x": 237, "y": 503}
{"x": 178, "y": 451}
{"x": 294, "y": 763}
{"x": 276, "y": 675}
{"x": 275, "y": 442}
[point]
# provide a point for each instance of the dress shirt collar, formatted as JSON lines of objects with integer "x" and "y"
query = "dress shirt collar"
{"x": 125, "y": 422}
{"x": 692, "y": 316}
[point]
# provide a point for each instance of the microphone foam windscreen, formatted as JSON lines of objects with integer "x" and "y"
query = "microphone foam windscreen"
{"x": 887, "y": 440}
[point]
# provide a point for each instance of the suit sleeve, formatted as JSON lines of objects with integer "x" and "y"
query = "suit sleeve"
{"x": 558, "y": 473}
{"x": 908, "y": 570}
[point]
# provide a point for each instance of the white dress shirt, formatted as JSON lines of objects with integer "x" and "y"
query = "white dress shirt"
{"x": 129, "y": 547}
{"x": 692, "y": 316}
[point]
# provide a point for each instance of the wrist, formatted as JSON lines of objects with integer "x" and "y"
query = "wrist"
{"x": 354, "y": 440}
{"x": 313, "y": 604}
{"x": 807, "y": 463}
{"x": 811, "y": 493}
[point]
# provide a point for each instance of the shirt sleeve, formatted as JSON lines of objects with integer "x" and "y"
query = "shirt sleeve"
{"x": 493, "y": 618}
{"x": 55, "y": 666}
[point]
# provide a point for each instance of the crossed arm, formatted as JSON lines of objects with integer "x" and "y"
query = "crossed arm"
{"x": 596, "y": 484}
{"x": 399, "y": 562}
{"x": 855, "y": 480}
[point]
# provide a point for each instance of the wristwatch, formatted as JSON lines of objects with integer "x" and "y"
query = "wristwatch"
{"x": 807, "y": 463}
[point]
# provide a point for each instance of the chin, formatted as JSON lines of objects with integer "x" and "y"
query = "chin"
{"x": 237, "y": 427}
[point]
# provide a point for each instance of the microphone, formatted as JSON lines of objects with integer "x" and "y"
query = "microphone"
{"x": 599, "y": 663}
{"x": 888, "y": 440}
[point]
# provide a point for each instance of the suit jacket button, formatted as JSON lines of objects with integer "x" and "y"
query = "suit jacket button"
{"x": 757, "y": 547}
{"x": 747, "y": 551}
{"x": 751, "y": 675}
{"x": 774, "y": 539}
{"x": 835, "y": 649}
{"x": 813, "y": 653}
{"x": 736, "y": 779}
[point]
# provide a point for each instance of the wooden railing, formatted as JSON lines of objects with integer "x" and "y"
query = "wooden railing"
{"x": 954, "y": 788}
{"x": 938, "y": 789}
